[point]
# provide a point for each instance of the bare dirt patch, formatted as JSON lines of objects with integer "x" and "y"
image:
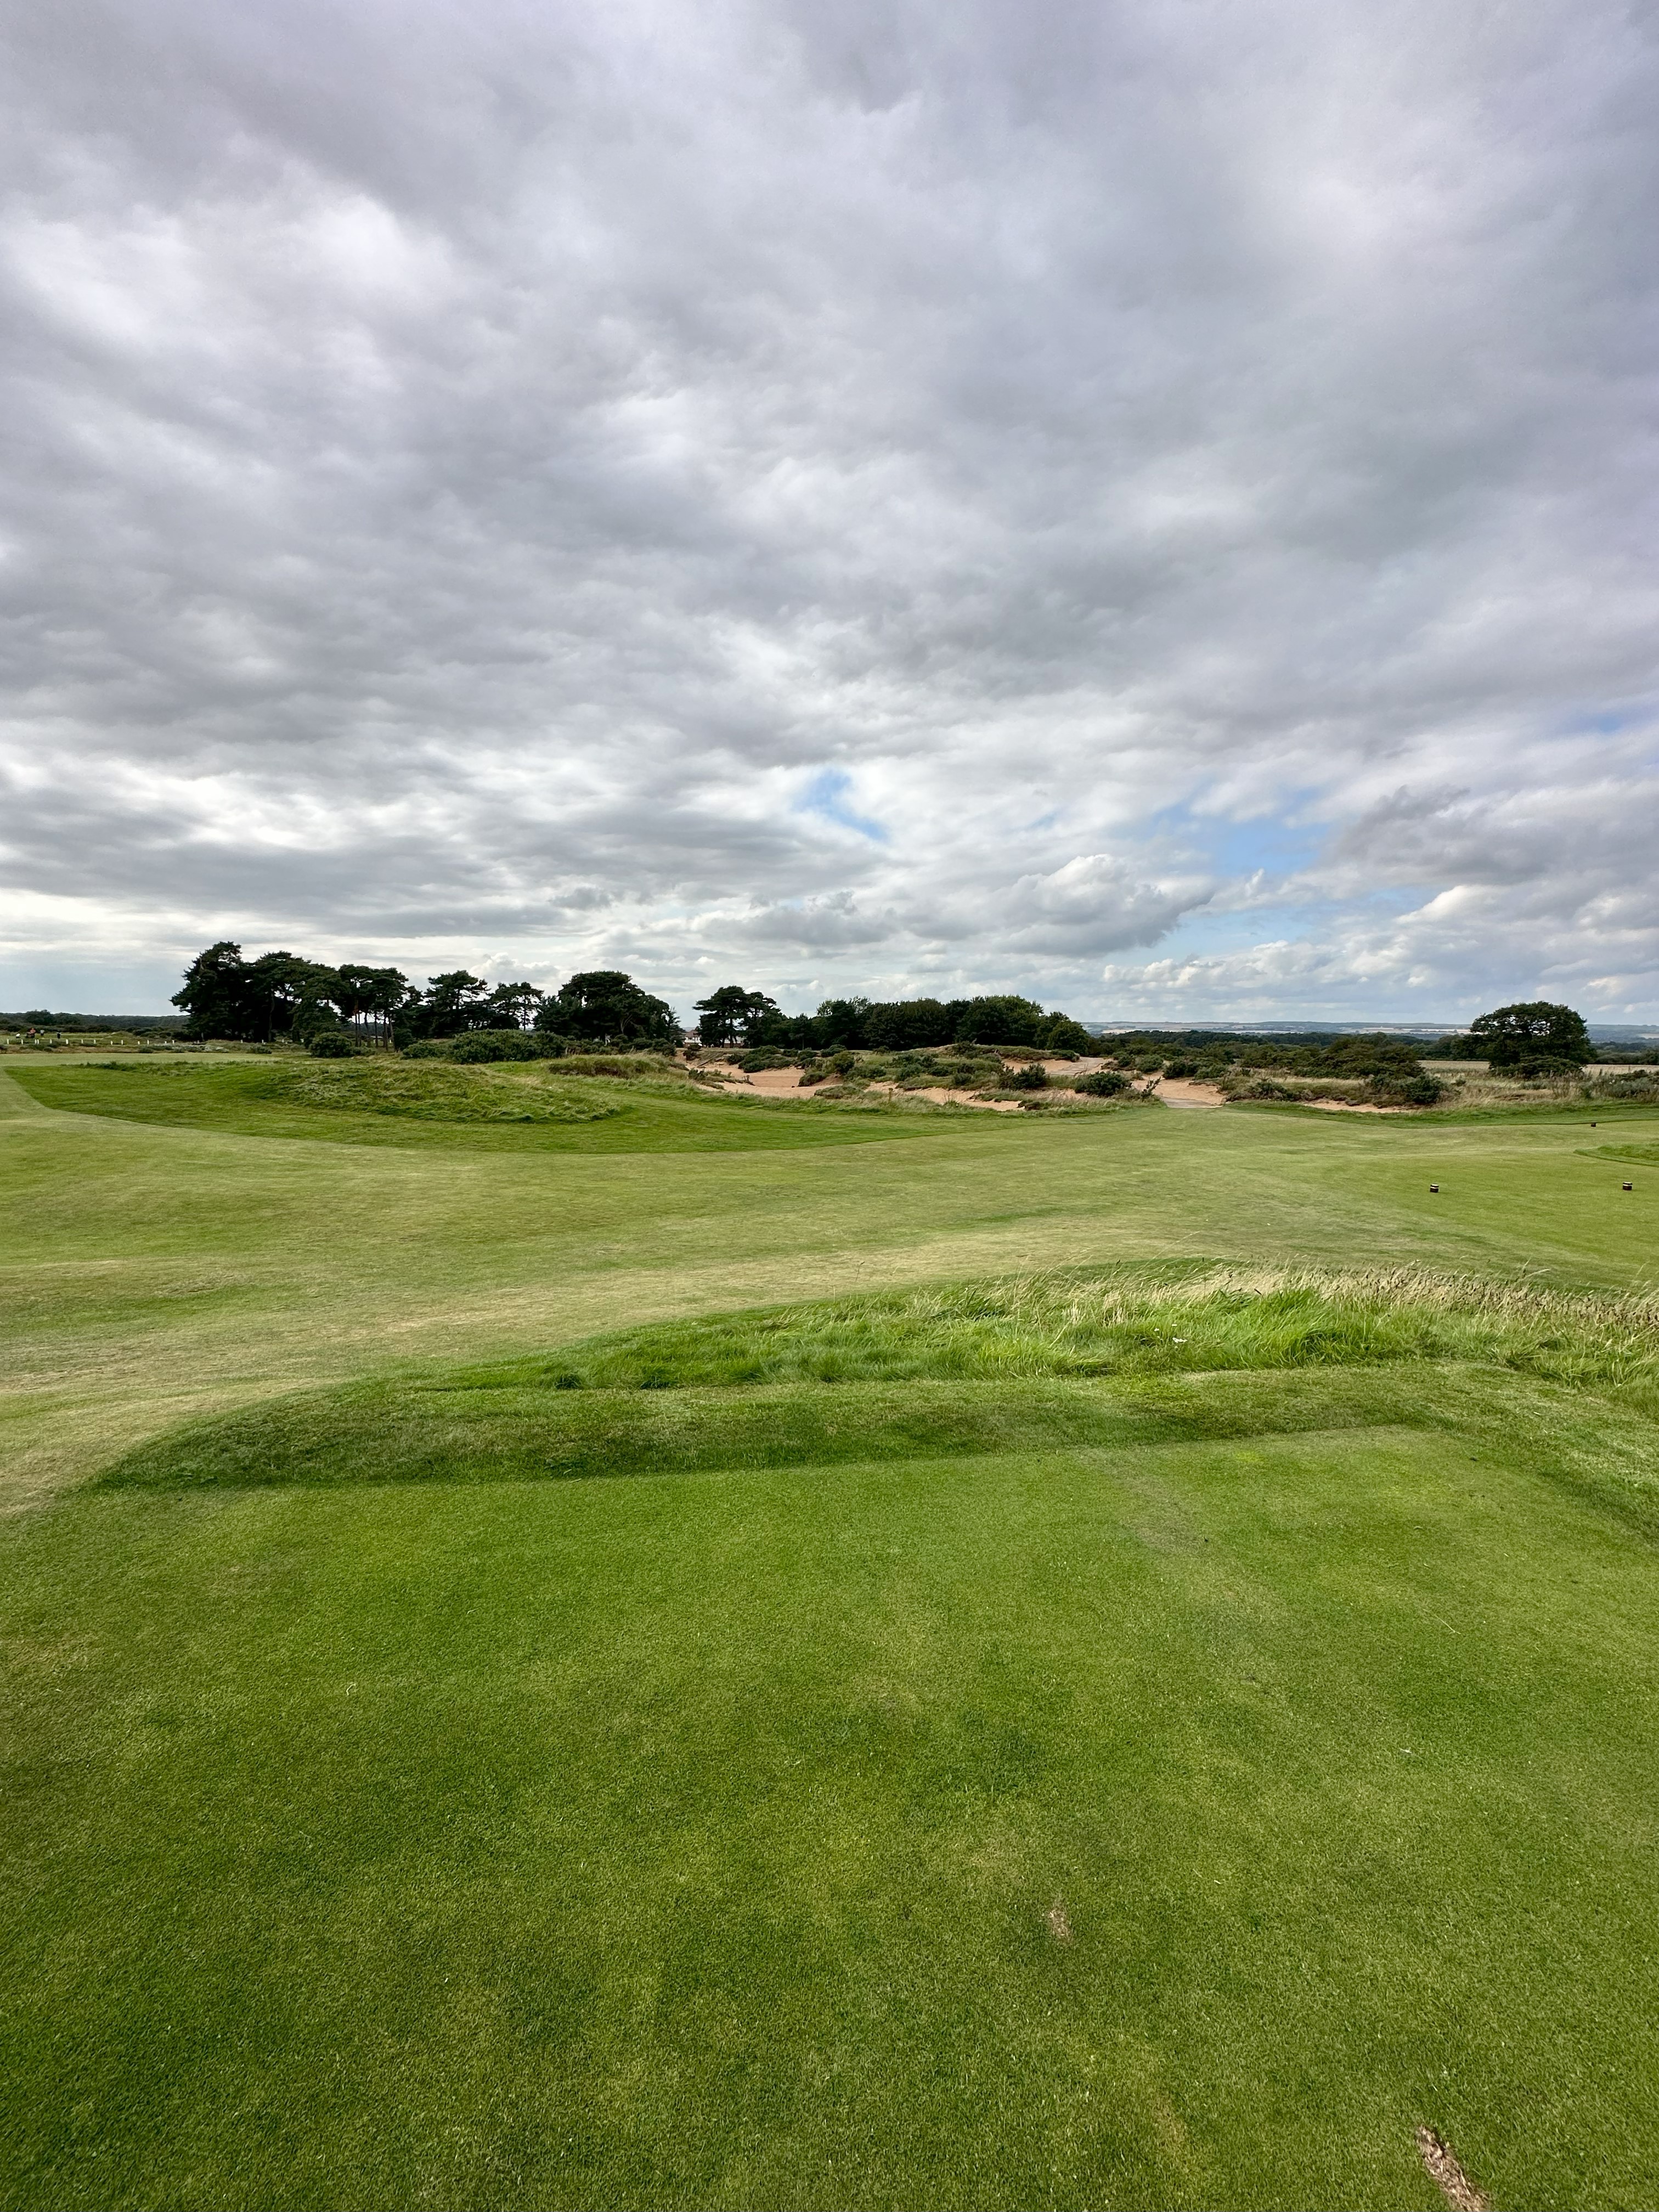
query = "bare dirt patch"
{"x": 1059, "y": 1925}
{"x": 1455, "y": 2185}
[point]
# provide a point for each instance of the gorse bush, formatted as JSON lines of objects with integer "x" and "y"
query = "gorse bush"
{"x": 484, "y": 1045}
{"x": 1410, "y": 1087}
{"x": 1104, "y": 1083}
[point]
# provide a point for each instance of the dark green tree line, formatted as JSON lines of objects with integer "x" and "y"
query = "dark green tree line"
{"x": 733, "y": 1015}
{"x": 282, "y": 995}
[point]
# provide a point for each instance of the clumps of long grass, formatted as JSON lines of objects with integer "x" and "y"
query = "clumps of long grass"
{"x": 1641, "y": 1084}
{"x": 1129, "y": 1322}
{"x": 623, "y": 1067}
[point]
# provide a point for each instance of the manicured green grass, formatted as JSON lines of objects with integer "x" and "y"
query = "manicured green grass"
{"x": 1174, "y": 1823}
{"x": 150, "y": 1269}
{"x": 662, "y": 1678}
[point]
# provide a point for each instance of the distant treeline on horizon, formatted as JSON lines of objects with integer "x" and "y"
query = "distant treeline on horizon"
{"x": 42, "y": 1017}
{"x": 285, "y": 995}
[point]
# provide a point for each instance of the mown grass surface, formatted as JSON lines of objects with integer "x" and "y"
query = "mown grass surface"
{"x": 1181, "y": 1825}
{"x": 152, "y": 1268}
{"x": 1126, "y": 1727}
{"x": 1041, "y": 1767}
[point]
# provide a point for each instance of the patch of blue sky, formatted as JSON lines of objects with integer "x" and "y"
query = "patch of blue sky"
{"x": 826, "y": 796}
{"x": 1607, "y": 721}
{"x": 1265, "y": 844}
{"x": 1206, "y": 931}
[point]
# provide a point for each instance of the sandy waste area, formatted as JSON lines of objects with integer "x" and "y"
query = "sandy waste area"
{"x": 780, "y": 1080}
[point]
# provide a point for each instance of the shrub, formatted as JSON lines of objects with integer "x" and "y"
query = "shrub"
{"x": 1107, "y": 1083}
{"x": 833, "y": 1064}
{"x": 633, "y": 1066}
{"x": 331, "y": 1045}
{"x": 1065, "y": 1036}
{"x": 476, "y": 1045}
{"x": 1033, "y": 1077}
{"x": 1181, "y": 1069}
{"x": 1416, "y": 1089}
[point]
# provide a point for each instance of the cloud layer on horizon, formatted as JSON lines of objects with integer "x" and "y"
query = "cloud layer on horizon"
{"x": 1152, "y": 505}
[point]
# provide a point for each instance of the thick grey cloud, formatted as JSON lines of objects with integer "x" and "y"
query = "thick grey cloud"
{"x": 1151, "y": 505}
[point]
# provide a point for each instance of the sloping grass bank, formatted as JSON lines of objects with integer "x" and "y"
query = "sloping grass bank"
{"x": 1070, "y": 1359}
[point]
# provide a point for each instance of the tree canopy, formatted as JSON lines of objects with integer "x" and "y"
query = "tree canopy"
{"x": 605, "y": 1007}
{"x": 283, "y": 994}
{"x": 734, "y": 1015}
{"x": 903, "y": 1024}
{"x": 1532, "y": 1029}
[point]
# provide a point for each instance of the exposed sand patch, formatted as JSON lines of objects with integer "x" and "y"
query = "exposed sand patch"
{"x": 939, "y": 1097}
{"x": 1180, "y": 1092}
{"x": 785, "y": 1082}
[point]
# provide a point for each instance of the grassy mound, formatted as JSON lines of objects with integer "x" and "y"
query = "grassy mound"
{"x": 1145, "y": 1737}
{"x": 1069, "y": 1359}
{"x": 592, "y": 1102}
{"x": 1183, "y": 1318}
{"x": 430, "y": 1091}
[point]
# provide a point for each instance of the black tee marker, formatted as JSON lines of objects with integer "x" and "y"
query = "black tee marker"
{"x": 1434, "y": 1186}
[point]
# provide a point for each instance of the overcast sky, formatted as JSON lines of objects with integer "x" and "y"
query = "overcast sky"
{"x": 1150, "y": 503}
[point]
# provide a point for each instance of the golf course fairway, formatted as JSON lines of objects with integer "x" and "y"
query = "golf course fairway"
{"x": 696, "y": 1657}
